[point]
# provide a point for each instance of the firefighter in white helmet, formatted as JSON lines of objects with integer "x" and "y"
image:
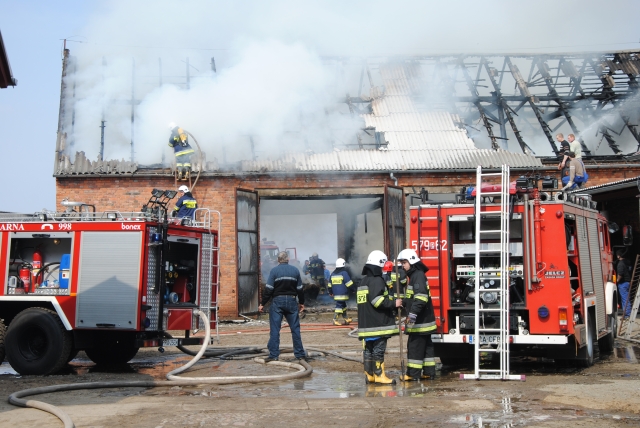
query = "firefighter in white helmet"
{"x": 338, "y": 287}
{"x": 421, "y": 320}
{"x": 376, "y": 321}
{"x": 186, "y": 205}
{"x": 179, "y": 141}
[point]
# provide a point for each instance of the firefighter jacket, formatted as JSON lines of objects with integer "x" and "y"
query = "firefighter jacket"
{"x": 180, "y": 142}
{"x": 390, "y": 278}
{"x": 375, "y": 310}
{"x": 284, "y": 280}
{"x": 186, "y": 206}
{"x": 339, "y": 284}
{"x": 418, "y": 301}
{"x": 315, "y": 268}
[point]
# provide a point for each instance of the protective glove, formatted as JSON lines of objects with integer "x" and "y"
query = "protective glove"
{"x": 411, "y": 320}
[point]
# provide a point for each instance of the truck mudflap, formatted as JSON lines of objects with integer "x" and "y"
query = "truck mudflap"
{"x": 520, "y": 339}
{"x": 183, "y": 341}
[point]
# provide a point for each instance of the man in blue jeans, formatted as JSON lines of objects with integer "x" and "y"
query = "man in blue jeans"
{"x": 623, "y": 276}
{"x": 283, "y": 285}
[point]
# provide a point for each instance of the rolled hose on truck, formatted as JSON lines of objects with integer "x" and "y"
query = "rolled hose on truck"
{"x": 302, "y": 367}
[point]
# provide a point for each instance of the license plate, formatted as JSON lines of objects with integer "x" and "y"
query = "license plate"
{"x": 170, "y": 342}
{"x": 486, "y": 339}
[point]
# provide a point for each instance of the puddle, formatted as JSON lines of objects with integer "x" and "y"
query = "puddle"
{"x": 627, "y": 352}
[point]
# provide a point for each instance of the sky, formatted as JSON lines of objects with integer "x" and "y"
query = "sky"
{"x": 264, "y": 50}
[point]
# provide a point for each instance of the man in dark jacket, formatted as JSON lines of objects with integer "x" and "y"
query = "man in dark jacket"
{"x": 421, "y": 320}
{"x": 316, "y": 270}
{"x": 376, "y": 322}
{"x": 283, "y": 285}
{"x": 179, "y": 141}
{"x": 186, "y": 205}
{"x": 623, "y": 278}
{"x": 338, "y": 286}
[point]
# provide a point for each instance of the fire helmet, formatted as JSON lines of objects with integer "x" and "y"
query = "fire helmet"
{"x": 183, "y": 188}
{"x": 340, "y": 263}
{"x": 388, "y": 266}
{"x": 409, "y": 255}
{"x": 314, "y": 255}
{"x": 377, "y": 258}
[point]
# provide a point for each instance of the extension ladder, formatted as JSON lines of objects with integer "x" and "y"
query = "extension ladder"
{"x": 501, "y": 273}
{"x": 626, "y": 324}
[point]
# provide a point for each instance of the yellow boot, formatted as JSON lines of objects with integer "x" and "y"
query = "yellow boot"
{"x": 380, "y": 376}
{"x": 336, "y": 321}
{"x": 369, "y": 367}
{"x": 406, "y": 378}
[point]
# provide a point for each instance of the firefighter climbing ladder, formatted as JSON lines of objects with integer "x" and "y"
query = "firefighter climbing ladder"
{"x": 484, "y": 250}
{"x": 626, "y": 324}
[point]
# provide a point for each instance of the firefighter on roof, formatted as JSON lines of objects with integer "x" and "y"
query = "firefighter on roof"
{"x": 186, "y": 205}
{"x": 421, "y": 320}
{"x": 376, "y": 322}
{"x": 339, "y": 289}
{"x": 179, "y": 141}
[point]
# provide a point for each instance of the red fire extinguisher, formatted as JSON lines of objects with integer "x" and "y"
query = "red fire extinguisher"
{"x": 36, "y": 265}
{"x": 25, "y": 276}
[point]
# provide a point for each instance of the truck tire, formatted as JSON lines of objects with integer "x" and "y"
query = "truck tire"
{"x": 607, "y": 343}
{"x": 3, "y": 333}
{"x": 586, "y": 353}
{"x": 37, "y": 342}
{"x": 114, "y": 355}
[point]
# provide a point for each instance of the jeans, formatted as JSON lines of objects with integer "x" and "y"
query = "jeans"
{"x": 286, "y": 306}
{"x": 623, "y": 288}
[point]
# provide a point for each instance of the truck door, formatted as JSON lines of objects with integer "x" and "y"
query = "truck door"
{"x": 247, "y": 250}
{"x": 394, "y": 221}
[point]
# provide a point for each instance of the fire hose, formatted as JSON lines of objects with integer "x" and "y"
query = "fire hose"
{"x": 17, "y": 398}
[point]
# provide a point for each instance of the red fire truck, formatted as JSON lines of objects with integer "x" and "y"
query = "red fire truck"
{"x": 106, "y": 283}
{"x": 561, "y": 299}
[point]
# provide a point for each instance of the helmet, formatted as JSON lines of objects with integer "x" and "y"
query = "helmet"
{"x": 410, "y": 255}
{"x": 388, "y": 266}
{"x": 340, "y": 263}
{"x": 314, "y": 255}
{"x": 183, "y": 188}
{"x": 172, "y": 125}
{"x": 376, "y": 258}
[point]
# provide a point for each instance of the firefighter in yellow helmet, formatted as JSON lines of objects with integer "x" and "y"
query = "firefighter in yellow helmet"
{"x": 179, "y": 141}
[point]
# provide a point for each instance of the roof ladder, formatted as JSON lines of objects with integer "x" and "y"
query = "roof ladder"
{"x": 501, "y": 347}
{"x": 626, "y": 324}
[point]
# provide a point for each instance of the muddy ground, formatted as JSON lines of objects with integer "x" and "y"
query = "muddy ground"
{"x": 605, "y": 395}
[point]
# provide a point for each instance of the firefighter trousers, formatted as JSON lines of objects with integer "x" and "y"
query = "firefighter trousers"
{"x": 373, "y": 352}
{"x": 420, "y": 356}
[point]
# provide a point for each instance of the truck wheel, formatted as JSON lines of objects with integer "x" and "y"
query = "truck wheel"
{"x": 114, "y": 355}
{"x": 3, "y": 333}
{"x": 586, "y": 353}
{"x": 607, "y": 343}
{"x": 37, "y": 342}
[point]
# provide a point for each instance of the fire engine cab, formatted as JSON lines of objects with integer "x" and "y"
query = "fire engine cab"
{"x": 515, "y": 269}
{"x": 106, "y": 283}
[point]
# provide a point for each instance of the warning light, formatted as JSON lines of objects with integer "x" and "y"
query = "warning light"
{"x": 543, "y": 312}
{"x": 563, "y": 318}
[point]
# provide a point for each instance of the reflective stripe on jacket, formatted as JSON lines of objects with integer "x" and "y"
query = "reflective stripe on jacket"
{"x": 339, "y": 284}
{"x": 375, "y": 310}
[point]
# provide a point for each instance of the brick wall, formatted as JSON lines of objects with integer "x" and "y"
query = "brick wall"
{"x": 218, "y": 193}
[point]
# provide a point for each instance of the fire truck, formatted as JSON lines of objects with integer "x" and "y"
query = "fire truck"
{"x": 106, "y": 283}
{"x": 516, "y": 269}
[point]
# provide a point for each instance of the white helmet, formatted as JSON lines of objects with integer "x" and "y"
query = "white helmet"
{"x": 340, "y": 263}
{"x": 183, "y": 188}
{"x": 376, "y": 258}
{"x": 409, "y": 255}
{"x": 172, "y": 125}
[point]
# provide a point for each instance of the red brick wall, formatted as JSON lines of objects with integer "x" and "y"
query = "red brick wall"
{"x": 218, "y": 193}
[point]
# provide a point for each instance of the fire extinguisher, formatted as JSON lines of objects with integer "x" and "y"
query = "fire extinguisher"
{"x": 36, "y": 265}
{"x": 25, "y": 276}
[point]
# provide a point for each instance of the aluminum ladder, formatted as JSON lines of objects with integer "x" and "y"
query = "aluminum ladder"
{"x": 626, "y": 324}
{"x": 482, "y": 251}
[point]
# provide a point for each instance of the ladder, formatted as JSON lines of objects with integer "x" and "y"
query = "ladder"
{"x": 626, "y": 324}
{"x": 501, "y": 272}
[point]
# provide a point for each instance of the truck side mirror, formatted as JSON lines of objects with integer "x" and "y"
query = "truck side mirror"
{"x": 627, "y": 235}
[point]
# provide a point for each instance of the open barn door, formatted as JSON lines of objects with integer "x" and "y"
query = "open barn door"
{"x": 394, "y": 221}
{"x": 247, "y": 250}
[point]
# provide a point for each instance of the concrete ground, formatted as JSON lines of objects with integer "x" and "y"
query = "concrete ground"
{"x": 607, "y": 394}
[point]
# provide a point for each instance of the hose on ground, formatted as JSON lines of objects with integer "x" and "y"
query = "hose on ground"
{"x": 302, "y": 367}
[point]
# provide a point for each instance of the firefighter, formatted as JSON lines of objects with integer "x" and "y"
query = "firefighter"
{"x": 390, "y": 278}
{"x": 316, "y": 270}
{"x": 376, "y": 322}
{"x": 421, "y": 320}
{"x": 179, "y": 141}
{"x": 186, "y": 205}
{"x": 338, "y": 287}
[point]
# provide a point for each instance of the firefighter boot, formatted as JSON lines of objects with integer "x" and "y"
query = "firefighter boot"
{"x": 369, "y": 367}
{"x": 380, "y": 376}
{"x": 406, "y": 378}
{"x": 336, "y": 321}
{"x": 347, "y": 320}
{"x": 187, "y": 173}
{"x": 428, "y": 373}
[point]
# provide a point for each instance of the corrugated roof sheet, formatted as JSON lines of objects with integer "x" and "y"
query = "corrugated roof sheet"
{"x": 627, "y": 182}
